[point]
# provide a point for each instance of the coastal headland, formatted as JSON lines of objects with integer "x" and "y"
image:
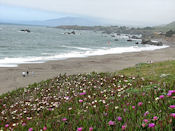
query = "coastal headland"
{"x": 11, "y": 78}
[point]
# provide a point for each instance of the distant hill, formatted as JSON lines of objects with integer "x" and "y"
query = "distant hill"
{"x": 165, "y": 28}
{"x": 63, "y": 21}
{"x": 171, "y": 26}
{"x": 72, "y": 21}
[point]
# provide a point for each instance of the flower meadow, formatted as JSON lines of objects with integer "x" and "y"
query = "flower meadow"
{"x": 90, "y": 102}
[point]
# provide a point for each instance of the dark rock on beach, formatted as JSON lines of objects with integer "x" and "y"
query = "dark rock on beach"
{"x": 151, "y": 42}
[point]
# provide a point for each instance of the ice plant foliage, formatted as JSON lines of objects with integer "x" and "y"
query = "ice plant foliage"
{"x": 93, "y": 101}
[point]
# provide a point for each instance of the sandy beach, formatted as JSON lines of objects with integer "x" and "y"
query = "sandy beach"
{"x": 11, "y": 78}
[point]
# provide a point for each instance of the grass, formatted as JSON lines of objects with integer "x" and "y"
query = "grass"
{"x": 137, "y": 98}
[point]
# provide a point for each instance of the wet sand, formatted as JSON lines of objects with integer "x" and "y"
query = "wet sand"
{"x": 11, "y": 78}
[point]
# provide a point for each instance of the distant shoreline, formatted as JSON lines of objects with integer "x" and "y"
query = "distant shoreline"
{"x": 11, "y": 78}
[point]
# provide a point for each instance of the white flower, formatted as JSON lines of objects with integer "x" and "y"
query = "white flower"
{"x": 116, "y": 107}
{"x": 157, "y": 98}
{"x": 104, "y": 101}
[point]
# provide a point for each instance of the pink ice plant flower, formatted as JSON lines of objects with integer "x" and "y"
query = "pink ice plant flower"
{"x": 143, "y": 124}
{"x": 91, "y": 129}
{"x": 124, "y": 110}
{"x": 64, "y": 119}
{"x": 151, "y": 125}
{"x": 30, "y": 129}
{"x": 79, "y": 129}
{"x": 172, "y": 106}
{"x": 170, "y": 92}
{"x": 80, "y": 101}
{"x": 161, "y": 96}
{"x": 23, "y": 124}
{"x": 140, "y": 103}
{"x": 146, "y": 113}
{"x": 119, "y": 118}
{"x": 111, "y": 123}
{"x": 155, "y": 118}
{"x": 124, "y": 127}
{"x": 7, "y": 125}
{"x": 83, "y": 93}
{"x": 173, "y": 115}
{"x": 44, "y": 128}
{"x": 133, "y": 107}
{"x": 145, "y": 120}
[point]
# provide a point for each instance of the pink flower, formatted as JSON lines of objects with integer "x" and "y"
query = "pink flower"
{"x": 172, "y": 106}
{"x": 119, "y": 118}
{"x": 7, "y": 125}
{"x": 140, "y": 103}
{"x": 83, "y": 93}
{"x": 151, "y": 125}
{"x": 80, "y": 101}
{"x": 30, "y": 129}
{"x": 145, "y": 120}
{"x": 123, "y": 127}
{"x": 50, "y": 109}
{"x": 173, "y": 115}
{"x": 79, "y": 129}
{"x": 161, "y": 96}
{"x": 146, "y": 113}
{"x": 143, "y": 125}
{"x": 44, "y": 128}
{"x": 155, "y": 118}
{"x": 23, "y": 124}
{"x": 64, "y": 119}
{"x": 169, "y": 94}
{"x": 91, "y": 129}
{"x": 111, "y": 123}
{"x": 171, "y": 91}
{"x": 133, "y": 107}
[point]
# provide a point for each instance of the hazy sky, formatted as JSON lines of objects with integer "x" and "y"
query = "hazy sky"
{"x": 147, "y": 11}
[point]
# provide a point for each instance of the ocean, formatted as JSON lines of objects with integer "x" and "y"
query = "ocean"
{"x": 44, "y": 43}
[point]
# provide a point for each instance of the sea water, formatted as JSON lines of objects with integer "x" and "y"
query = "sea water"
{"x": 44, "y": 43}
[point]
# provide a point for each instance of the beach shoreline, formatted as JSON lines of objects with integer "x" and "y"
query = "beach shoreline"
{"x": 11, "y": 77}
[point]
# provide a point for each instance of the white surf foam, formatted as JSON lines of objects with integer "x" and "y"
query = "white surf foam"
{"x": 13, "y": 62}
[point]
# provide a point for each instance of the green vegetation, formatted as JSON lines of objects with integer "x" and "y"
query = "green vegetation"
{"x": 138, "y": 98}
{"x": 166, "y": 28}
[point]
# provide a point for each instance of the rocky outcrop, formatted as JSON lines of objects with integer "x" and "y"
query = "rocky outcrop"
{"x": 134, "y": 37}
{"x": 69, "y": 33}
{"x": 151, "y": 42}
{"x": 129, "y": 40}
{"x": 25, "y": 30}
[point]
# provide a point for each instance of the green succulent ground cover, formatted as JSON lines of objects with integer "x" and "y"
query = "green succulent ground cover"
{"x": 137, "y": 98}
